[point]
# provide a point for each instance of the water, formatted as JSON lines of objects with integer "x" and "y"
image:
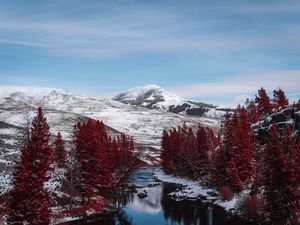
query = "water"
{"x": 159, "y": 209}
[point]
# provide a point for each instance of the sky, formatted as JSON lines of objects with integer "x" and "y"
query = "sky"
{"x": 215, "y": 51}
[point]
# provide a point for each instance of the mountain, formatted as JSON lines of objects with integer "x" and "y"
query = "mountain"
{"x": 155, "y": 97}
{"x": 63, "y": 109}
{"x": 150, "y": 96}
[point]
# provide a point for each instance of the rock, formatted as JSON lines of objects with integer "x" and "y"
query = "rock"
{"x": 143, "y": 194}
{"x": 212, "y": 193}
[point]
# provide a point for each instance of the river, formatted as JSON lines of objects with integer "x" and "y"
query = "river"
{"x": 160, "y": 209}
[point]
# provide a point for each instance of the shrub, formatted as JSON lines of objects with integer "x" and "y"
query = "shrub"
{"x": 226, "y": 193}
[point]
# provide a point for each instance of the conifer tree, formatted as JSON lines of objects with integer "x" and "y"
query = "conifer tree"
{"x": 263, "y": 101}
{"x": 233, "y": 177}
{"x": 60, "y": 154}
{"x": 253, "y": 112}
{"x": 281, "y": 193}
{"x": 279, "y": 99}
{"x": 201, "y": 160}
{"x": 30, "y": 176}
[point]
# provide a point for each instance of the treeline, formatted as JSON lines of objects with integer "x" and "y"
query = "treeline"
{"x": 235, "y": 160}
{"x": 93, "y": 167}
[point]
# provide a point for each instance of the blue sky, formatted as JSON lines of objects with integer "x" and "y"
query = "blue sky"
{"x": 219, "y": 51}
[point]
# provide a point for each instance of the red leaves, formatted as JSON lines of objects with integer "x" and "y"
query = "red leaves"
{"x": 60, "y": 154}
{"x": 28, "y": 200}
{"x": 100, "y": 158}
{"x": 185, "y": 153}
{"x": 226, "y": 193}
{"x": 263, "y": 101}
{"x": 281, "y": 181}
{"x": 280, "y": 100}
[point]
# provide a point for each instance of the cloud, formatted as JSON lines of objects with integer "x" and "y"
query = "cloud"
{"x": 243, "y": 86}
{"x": 125, "y": 29}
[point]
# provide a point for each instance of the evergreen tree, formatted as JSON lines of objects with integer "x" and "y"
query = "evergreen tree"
{"x": 95, "y": 172}
{"x": 281, "y": 194}
{"x": 219, "y": 167}
{"x": 60, "y": 154}
{"x": 30, "y": 176}
{"x": 201, "y": 159}
{"x": 263, "y": 101}
{"x": 279, "y": 99}
{"x": 253, "y": 112}
{"x": 233, "y": 177}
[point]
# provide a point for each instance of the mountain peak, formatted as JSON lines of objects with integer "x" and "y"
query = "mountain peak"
{"x": 150, "y": 95}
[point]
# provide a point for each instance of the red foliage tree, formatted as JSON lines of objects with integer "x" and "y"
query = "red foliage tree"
{"x": 60, "y": 154}
{"x": 244, "y": 146}
{"x": 95, "y": 172}
{"x": 166, "y": 154}
{"x": 201, "y": 159}
{"x": 30, "y": 175}
{"x": 279, "y": 99}
{"x": 219, "y": 167}
{"x": 263, "y": 101}
{"x": 233, "y": 177}
{"x": 253, "y": 112}
{"x": 281, "y": 192}
{"x": 126, "y": 148}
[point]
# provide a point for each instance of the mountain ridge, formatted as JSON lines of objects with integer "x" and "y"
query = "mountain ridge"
{"x": 155, "y": 97}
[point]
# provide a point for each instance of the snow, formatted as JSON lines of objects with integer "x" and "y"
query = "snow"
{"x": 150, "y": 94}
{"x": 193, "y": 190}
{"x": 7, "y": 131}
{"x": 214, "y": 113}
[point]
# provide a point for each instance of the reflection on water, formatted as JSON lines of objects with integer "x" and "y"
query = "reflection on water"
{"x": 159, "y": 209}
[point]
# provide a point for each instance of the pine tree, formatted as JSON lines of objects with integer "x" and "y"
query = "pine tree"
{"x": 19, "y": 196}
{"x": 219, "y": 167}
{"x": 253, "y": 112}
{"x": 201, "y": 159}
{"x": 233, "y": 177}
{"x": 263, "y": 101}
{"x": 165, "y": 153}
{"x": 281, "y": 194}
{"x": 244, "y": 147}
{"x": 279, "y": 99}
{"x": 91, "y": 154}
{"x": 60, "y": 154}
{"x": 30, "y": 176}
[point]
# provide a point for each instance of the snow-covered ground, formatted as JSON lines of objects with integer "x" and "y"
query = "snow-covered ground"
{"x": 63, "y": 110}
{"x": 193, "y": 190}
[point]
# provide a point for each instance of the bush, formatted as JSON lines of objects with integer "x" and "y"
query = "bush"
{"x": 250, "y": 206}
{"x": 226, "y": 193}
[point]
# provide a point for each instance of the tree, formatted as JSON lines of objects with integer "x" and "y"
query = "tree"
{"x": 264, "y": 105}
{"x": 201, "y": 159}
{"x": 279, "y": 99}
{"x": 60, "y": 154}
{"x": 281, "y": 192}
{"x": 91, "y": 155}
{"x": 166, "y": 155}
{"x": 244, "y": 146}
{"x": 29, "y": 200}
{"x": 219, "y": 167}
{"x": 253, "y": 113}
{"x": 233, "y": 177}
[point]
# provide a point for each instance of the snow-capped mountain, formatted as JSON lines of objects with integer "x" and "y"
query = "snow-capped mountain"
{"x": 155, "y": 97}
{"x": 151, "y": 96}
{"x": 63, "y": 109}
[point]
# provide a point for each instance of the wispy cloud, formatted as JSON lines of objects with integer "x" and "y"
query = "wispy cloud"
{"x": 238, "y": 88}
{"x": 142, "y": 28}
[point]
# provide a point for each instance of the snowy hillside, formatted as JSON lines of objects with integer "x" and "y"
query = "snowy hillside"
{"x": 144, "y": 124}
{"x": 18, "y": 106}
{"x": 151, "y": 96}
{"x": 155, "y": 97}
